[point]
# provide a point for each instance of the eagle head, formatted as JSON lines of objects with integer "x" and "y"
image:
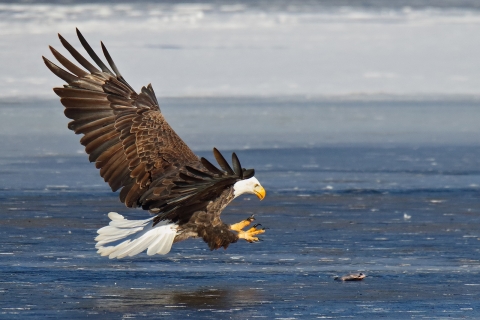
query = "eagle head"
{"x": 250, "y": 185}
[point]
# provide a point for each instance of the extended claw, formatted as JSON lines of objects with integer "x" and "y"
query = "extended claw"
{"x": 250, "y": 234}
{"x": 242, "y": 224}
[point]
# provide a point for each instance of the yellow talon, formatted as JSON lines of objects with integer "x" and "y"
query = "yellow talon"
{"x": 250, "y": 234}
{"x": 242, "y": 224}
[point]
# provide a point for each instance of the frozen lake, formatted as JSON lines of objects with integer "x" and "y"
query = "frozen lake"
{"x": 402, "y": 209}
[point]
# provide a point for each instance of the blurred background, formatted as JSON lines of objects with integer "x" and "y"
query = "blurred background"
{"x": 319, "y": 72}
{"x": 256, "y": 48}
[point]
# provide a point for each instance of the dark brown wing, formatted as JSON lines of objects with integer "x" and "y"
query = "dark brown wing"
{"x": 127, "y": 137}
{"x": 125, "y": 133}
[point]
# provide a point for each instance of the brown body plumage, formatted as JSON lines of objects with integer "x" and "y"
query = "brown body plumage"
{"x": 137, "y": 151}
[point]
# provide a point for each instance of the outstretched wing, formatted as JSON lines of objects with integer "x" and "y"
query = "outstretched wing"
{"x": 125, "y": 133}
{"x": 129, "y": 140}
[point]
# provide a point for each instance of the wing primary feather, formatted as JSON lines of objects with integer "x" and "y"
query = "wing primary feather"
{"x": 92, "y": 54}
{"x": 210, "y": 167}
{"x": 198, "y": 172}
{"x": 80, "y": 59}
{"x": 68, "y": 64}
{"x": 59, "y": 72}
{"x": 185, "y": 190}
{"x": 237, "y": 166}
{"x": 182, "y": 183}
{"x": 78, "y": 93}
{"x": 154, "y": 97}
{"x": 248, "y": 173}
{"x": 113, "y": 66}
{"x": 189, "y": 178}
{"x": 179, "y": 199}
{"x": 222, "y": 162}
{"x": 110, "y": 61}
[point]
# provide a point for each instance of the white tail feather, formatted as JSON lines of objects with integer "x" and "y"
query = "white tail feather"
{"x": 158, "y": 239}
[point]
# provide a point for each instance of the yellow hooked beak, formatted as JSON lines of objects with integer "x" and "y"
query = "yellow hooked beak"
{"x": 260, "y": 192}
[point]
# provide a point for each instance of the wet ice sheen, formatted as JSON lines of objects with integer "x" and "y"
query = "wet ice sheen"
{"x": 422, "y": 267}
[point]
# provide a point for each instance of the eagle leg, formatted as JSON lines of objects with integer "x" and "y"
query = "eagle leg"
{"x": 242, "y": 224}
{"x": 250, "y": 234}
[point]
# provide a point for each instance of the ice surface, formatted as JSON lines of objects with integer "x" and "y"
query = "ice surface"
{"x": 425, "y": 267}
{"x": 331, "y": 209}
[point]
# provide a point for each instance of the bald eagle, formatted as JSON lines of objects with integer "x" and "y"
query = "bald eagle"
{"x": 134, "y": 147}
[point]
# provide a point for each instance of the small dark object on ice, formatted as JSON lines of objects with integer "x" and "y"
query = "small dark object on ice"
{"x": 351, "y": 277}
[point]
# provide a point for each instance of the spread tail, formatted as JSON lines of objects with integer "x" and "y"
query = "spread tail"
{"x": 134, "y": 236}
